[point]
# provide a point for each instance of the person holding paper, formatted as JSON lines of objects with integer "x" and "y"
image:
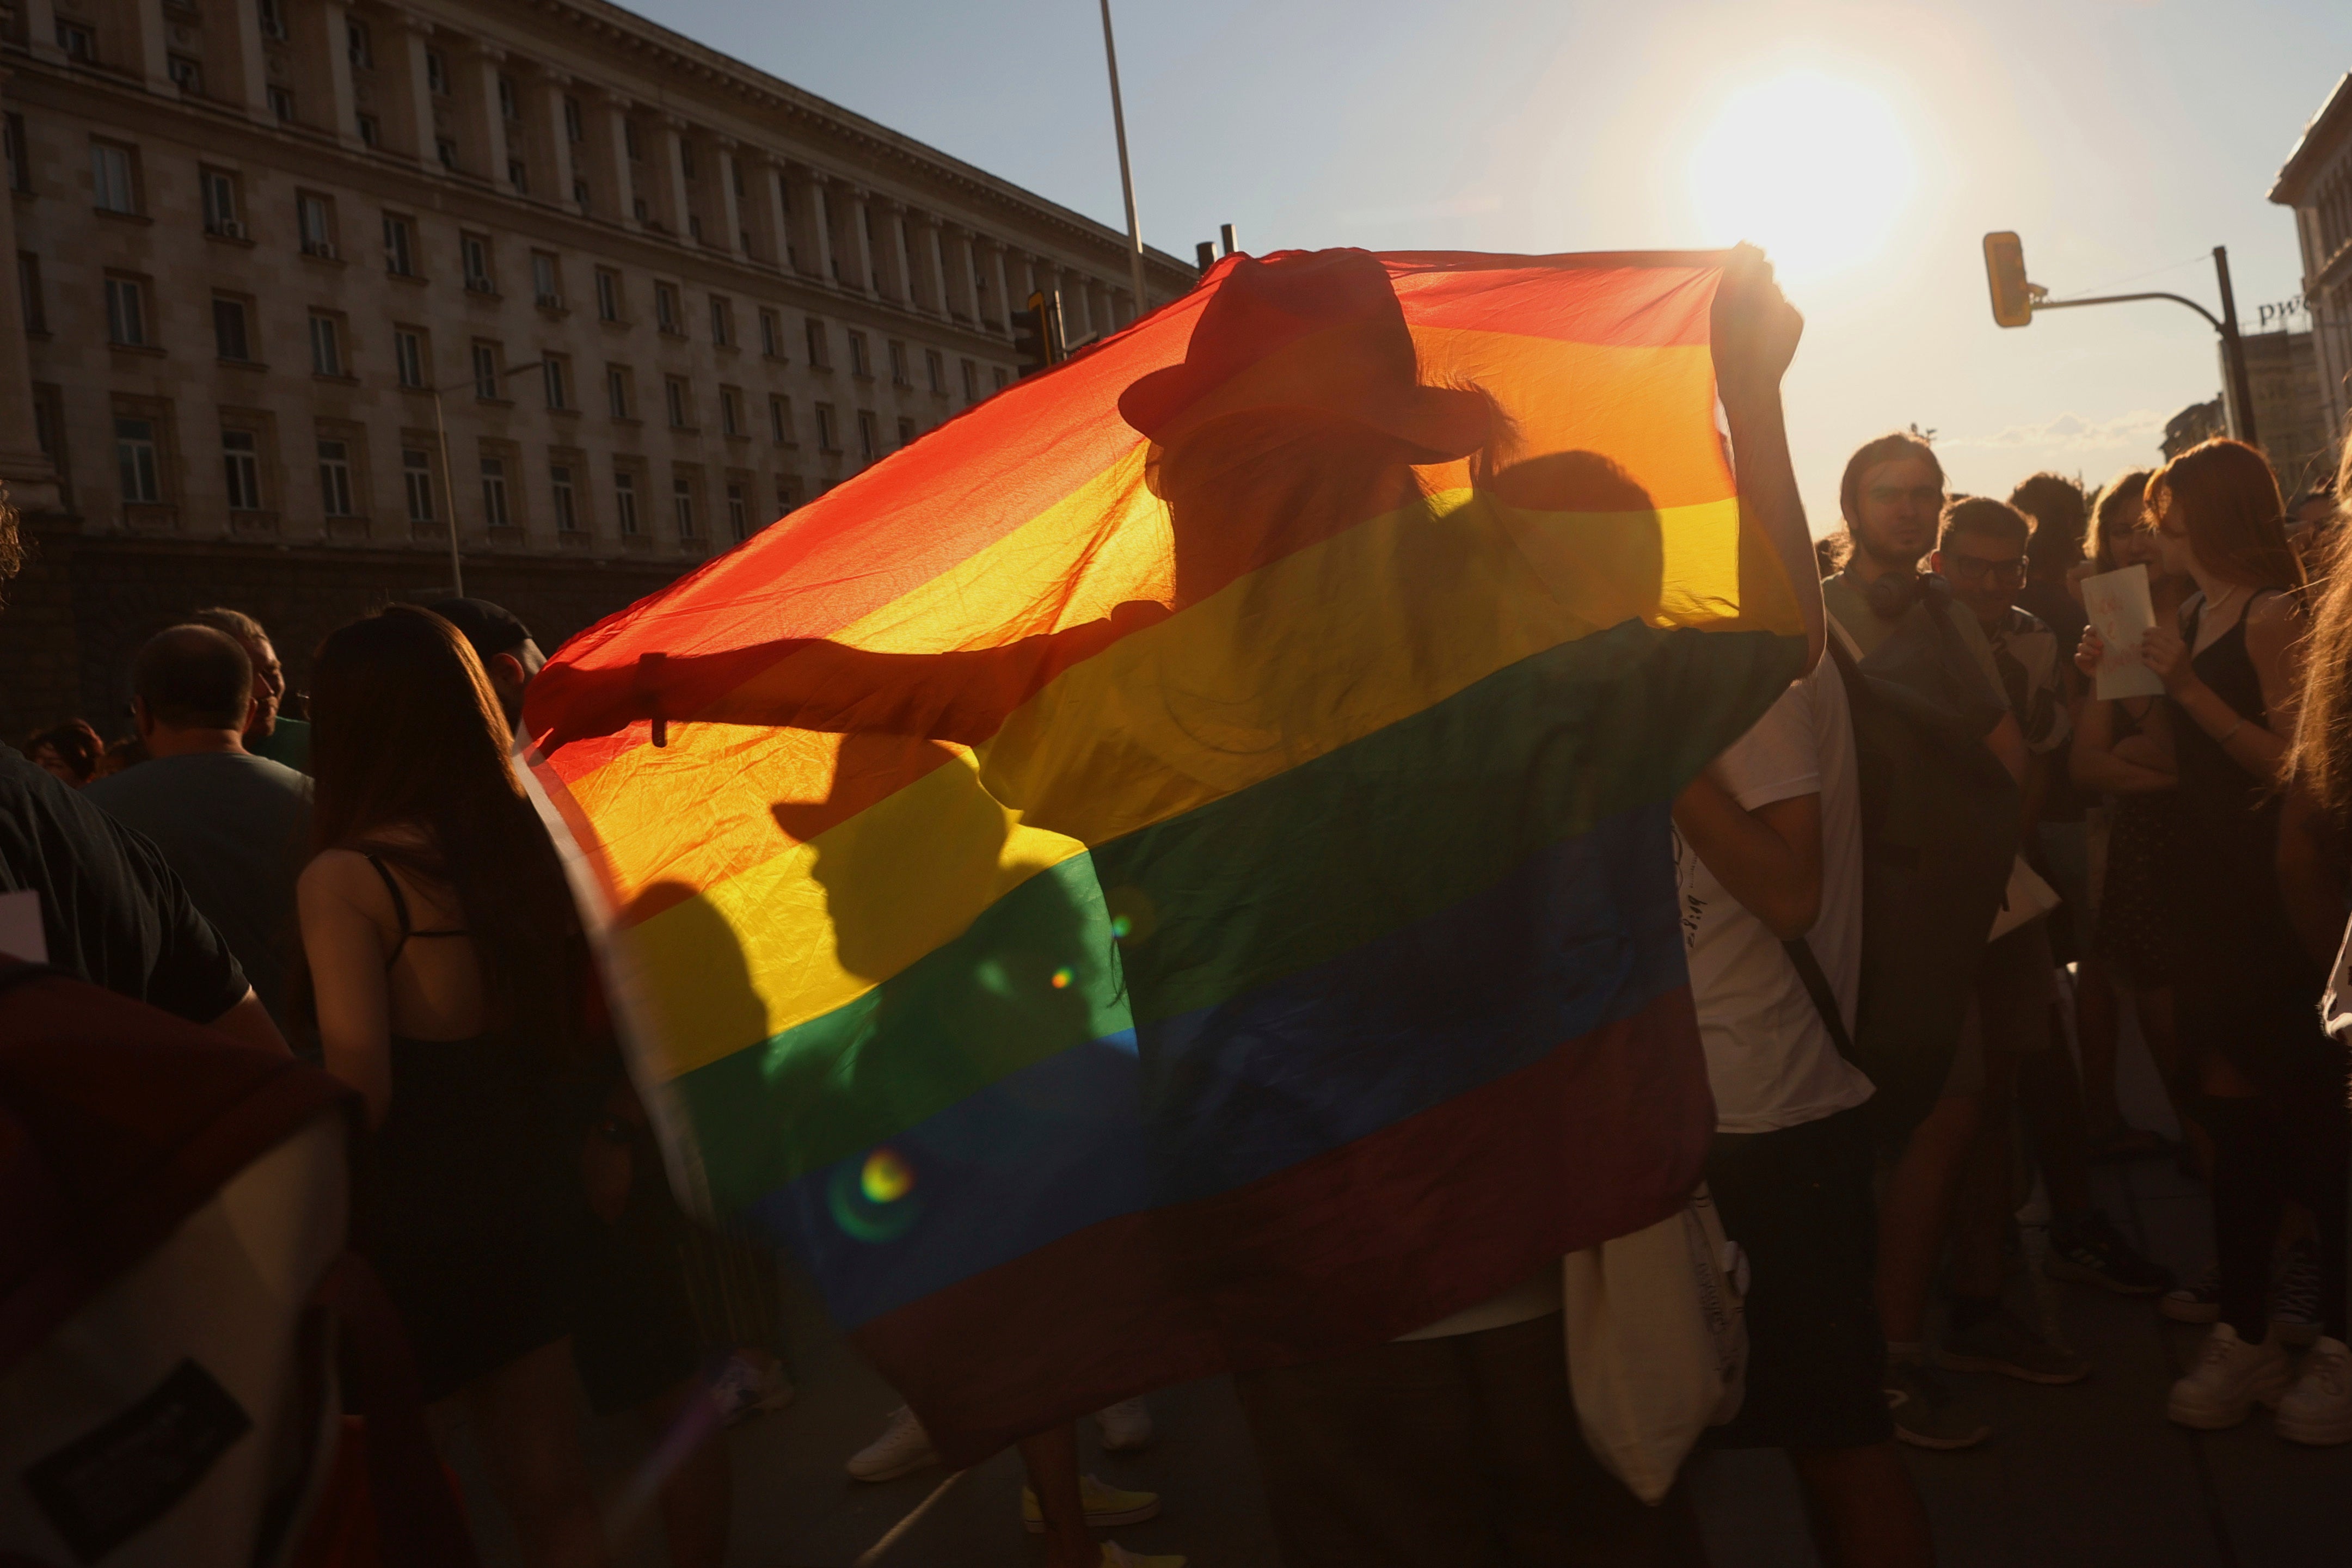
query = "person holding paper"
{"x": 2271, "y": 1084}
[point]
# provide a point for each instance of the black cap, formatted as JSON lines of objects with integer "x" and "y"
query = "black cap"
{"x": 492, "y": 629}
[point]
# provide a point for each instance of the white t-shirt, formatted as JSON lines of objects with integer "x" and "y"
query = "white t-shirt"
{"x": 1769, "y": 1058}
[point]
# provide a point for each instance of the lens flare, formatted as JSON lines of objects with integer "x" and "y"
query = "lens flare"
{"x": 886, "y": 1178}
{"x": 1120, "y": 925}
{"x": 1816, "y": 170}
{"x": 1133, "y": 916}
{"x": 872, "y": 1200}
{"x": 1062, "y": 979}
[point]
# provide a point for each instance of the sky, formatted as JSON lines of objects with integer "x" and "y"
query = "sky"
{"x": 1871, "y": 146}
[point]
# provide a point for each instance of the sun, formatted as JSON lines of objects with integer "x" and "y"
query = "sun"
{"x": 1814, "y": 169}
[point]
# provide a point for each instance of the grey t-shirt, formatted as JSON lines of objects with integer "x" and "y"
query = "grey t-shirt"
{"x": 236, "y": 828}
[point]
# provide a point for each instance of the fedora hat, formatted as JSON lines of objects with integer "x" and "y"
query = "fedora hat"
{"x": 1307, "y": 329}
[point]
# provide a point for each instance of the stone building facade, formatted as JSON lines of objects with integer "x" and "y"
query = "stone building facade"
{"x": 2290, "y": 408}
{"x": 302, "y": 285}
{"x": 2316, "y": 183}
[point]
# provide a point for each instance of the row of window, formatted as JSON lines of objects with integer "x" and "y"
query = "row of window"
{"x": 140, "y": 473}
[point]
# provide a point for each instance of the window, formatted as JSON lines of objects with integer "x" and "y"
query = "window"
{"x": 517, "y": 176}
{"x": 858, "y": 365}
{"x": 314, "y": 219}
{"x": 126, "y": 312}
{"x": 486, "y": 371}
{"x": 817, "y": 354}
{"x": 28, "y": 290}
{"x": 447, "y": 151}
{"x": 138, "y": 461}
{"x": 681, "y": 503}
{"x": 780, "y": 421}
{"x": 905, "y": 433}
{"x": 241, "y": 467}
{"x": 738, "y": 518}
{"x": 557, "y": 376}
{"x": 869, "y": 437}
{"x": 827, "y": 439}
{"x": 326, "y": 345}
{"x": 629, "y": 140}
{"x": 730, "y": 411}
{"x": 616, "y": 390}
{"x": 474, "y": 255}
{"x": 20, "y": 157}
{"x": 694, "y": 225}
{"x": 624, "y": 500}
{"x": 111, "y": 179}
{"x": 79, "y": 42}
{"x": 416, "y": 478}
{"x": 674, "y": 393}
{"x": 665, "y": 306}
{"x": 231, "y": 337}
{"x": 494, "y": 491}
{"x": 546, "y": 283}
{"x": 356, "y": 44}
{"x": 723, "y": 321}
{"x": 898, "y": 376}
{"x": 399, "y": 249}
{"x": 608, "y": 295}
{"x": 437, "y": 72}
{"x": 771, "y": 334}
{"x": 1002, "y": 378}
{"x": 273, "y": 18}
{"x": 281, "y": 101}
{"x": 559, "y": 484}
{"x": 573, "y": 128}
{"x": 370, "y": 134}
{"x": 970, "y": 381}
{"x": 186, "y": 73}
{"x": 686, "y": 158}
{"x": 335, "y": 477}
{"x": 408, "y": 355}
{"x": 217, "y": 187}
{"x": 509, "y": 102}
{"x": 935, "y": 367}
{"x": 786, "y": 485}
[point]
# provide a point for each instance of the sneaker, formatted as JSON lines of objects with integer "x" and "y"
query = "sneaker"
{"x": 1105, "y": 1506}
{"x": 1925, "y": 1415}
{"x": 903, "y": 1448}
{"x": 2003, "y": 1343}
{"x": 2318, "y": 1408}
{"x": 2089, "y": 1250}
{"x": 2294, "y": 1295}
{"x": 2229, "y": 1378}
{"x": 1126, "y": 1425}
{"x": 2198, "y": 1301}
{"x": 1114, "y": 1556}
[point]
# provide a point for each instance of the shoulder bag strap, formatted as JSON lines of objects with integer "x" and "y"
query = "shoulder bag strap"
{"x": 1817, "y": 985}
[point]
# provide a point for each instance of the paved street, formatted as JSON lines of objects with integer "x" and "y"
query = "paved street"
{"x": 2087, "y": 1475}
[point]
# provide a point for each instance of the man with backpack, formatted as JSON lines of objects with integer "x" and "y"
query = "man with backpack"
{"x": 1769, "y": 851}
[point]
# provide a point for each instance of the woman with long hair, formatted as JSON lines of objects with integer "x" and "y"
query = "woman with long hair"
{"x": 2118, "y": 751}
{"x": 443, "y": 965}
{"x": 2271, "y": 1084}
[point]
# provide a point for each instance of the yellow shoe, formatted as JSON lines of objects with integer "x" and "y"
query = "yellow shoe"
{"x": 1116, "y": 1556}
{"x": 1105, "y": 1506}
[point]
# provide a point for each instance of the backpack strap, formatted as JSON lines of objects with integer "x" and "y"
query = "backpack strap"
{"x": 1817, "y": 985}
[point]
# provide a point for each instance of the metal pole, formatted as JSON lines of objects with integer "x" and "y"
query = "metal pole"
{"x": 1126, "y": 178}
{"x": 448, "y": 499}
{"x": 2241, "y": 384}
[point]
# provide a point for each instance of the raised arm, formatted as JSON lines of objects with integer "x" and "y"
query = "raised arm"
{"x": 1754, "y": 336}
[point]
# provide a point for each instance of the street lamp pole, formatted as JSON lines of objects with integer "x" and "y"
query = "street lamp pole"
{"x": 2234, "y": 347}
{"x": 448, "y": 480}
{"x": 1126, "y": 178}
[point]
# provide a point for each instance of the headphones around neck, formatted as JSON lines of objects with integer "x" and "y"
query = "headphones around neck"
{"x": 1891, "y": 595}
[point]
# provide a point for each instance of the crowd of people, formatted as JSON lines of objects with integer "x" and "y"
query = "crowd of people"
{"x": 367, "y": 883}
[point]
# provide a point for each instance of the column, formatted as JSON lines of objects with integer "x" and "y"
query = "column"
{"x": 1076, "y": 288}
{"x": 342, "y": 103}
{"x": 821, "y": 226}
{"x": 901, "y": 258}
{"x": 550, "y": 86}
{"x": 1006, "y": 303}
{"x": 478, "y": 102}
{"x": 149, "y": 38}
{"x": 962, "y": 301}
{"x": 32, "y": 479}
{"x": 723, "y": 150}
{"x": 861, "y": 248}
{"x": 610, "y": 127}
{"x": 41, "y": 30}
{"x": 930, "y": 262}
{"x": 771, "y": 222}
{"x": 409, "y": 105}
{"x": 667, "y": 164}
{"x": 235, "y": 70}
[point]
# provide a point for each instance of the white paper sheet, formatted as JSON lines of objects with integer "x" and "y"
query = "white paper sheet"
{"x": 2117, "y": 604}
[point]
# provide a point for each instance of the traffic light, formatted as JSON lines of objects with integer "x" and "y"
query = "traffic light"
{"x": 1037, "y": 333}
{"x": 2012, "y": 296}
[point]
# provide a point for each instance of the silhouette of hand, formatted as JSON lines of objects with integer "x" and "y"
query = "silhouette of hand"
{"x": 1754, "y": 330}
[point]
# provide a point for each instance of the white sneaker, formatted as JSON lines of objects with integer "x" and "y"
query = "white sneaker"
{"x": 2229, "y": 1378}
{"x": 903, "y": 1448}
{"x": 2318, "y": 1408}
{"x": 1126, "y": 1425}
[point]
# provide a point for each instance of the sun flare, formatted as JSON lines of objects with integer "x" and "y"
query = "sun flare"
{"x": 1815, "y": 169}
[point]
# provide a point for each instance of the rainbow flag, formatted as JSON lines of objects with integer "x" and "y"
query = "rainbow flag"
{"x": 1169, "y": 873}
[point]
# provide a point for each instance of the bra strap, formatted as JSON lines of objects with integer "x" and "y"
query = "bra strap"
{"x": 399, "y": 907}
